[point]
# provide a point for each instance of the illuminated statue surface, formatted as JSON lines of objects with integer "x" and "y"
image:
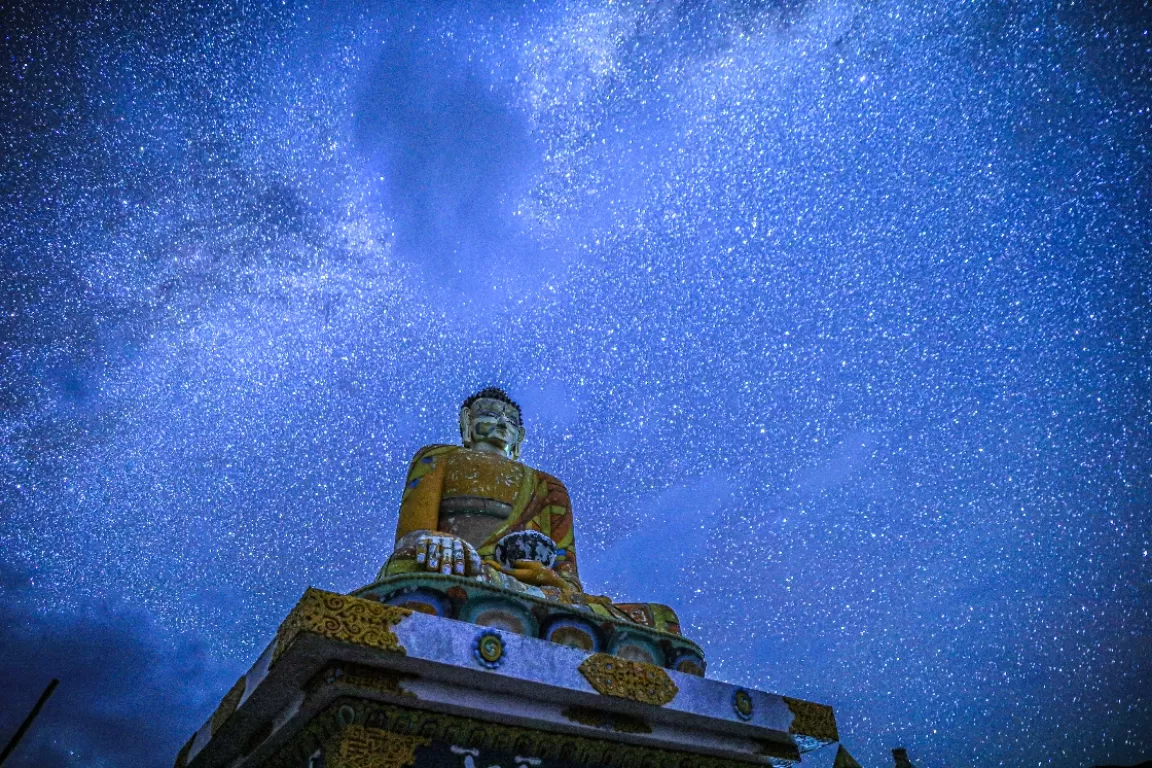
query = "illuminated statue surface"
{"x": 476, "y": 513}
{"x": 477, "y": 641}
{"x": 460, "y": 502}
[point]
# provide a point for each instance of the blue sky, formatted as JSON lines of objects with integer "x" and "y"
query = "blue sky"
{"x": 833, "y": 317}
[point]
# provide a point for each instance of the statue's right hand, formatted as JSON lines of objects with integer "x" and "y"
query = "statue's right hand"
{"x": 447, "y": 554}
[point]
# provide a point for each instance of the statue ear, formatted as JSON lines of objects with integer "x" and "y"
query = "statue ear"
{"x": 466, "y": 426}
{"x": 519, "y": 444}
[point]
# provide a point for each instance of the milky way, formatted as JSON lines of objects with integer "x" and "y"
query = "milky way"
{"x": 833, "y": 317}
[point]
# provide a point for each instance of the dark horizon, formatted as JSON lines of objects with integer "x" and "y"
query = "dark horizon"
{"x": 833, "y": 317}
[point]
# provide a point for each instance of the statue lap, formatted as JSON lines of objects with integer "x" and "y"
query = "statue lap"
{"x": 441, "y": 475}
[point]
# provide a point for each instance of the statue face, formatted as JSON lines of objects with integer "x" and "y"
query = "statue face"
{"x": 495, "y": 424}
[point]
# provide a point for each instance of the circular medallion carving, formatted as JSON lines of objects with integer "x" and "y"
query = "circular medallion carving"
{"x": 742, "y": 704}
{"x": 488, "y": 647}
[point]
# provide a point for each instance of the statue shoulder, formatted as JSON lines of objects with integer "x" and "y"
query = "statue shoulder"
{"x": 429, "y": 453}
{"x": 554, "y": 483}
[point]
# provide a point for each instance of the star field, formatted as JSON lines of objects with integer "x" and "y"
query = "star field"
{"x": 832, "y": 316}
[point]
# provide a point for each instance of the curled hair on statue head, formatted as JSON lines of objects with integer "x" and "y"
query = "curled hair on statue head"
{"x": 491, "y": 393}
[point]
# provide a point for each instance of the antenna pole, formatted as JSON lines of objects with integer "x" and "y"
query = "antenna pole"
{"x": 15, "y": 740}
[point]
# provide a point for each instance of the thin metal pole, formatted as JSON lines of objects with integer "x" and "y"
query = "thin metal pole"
{"x": 28, "y": 721}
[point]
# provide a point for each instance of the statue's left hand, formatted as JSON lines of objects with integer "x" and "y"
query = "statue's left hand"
{"x": 531, "y": 572}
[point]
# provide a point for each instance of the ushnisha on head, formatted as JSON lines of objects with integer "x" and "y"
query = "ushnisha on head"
{"x": 490, "y": 422}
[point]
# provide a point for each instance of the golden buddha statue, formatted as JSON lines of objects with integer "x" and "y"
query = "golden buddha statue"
{"x": 477, "y": 512}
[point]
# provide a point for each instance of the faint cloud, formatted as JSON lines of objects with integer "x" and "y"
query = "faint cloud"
{"x": 129, "y": 695}
{"x": 649, "y": 563}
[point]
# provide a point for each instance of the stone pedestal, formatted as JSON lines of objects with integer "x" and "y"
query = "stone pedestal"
{"x": 355, "y": 683}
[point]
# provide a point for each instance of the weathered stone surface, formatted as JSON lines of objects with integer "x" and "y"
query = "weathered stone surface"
{"x": 425, "y": 668}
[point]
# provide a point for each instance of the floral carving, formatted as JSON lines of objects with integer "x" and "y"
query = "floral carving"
{"x": 814, "y": 721}
{"x": 626, "y": 679}
{"x": 360, "y": 747}
{"x": 339, "y": 617}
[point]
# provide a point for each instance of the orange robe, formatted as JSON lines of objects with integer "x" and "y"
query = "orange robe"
{"x": 445, "y": 476}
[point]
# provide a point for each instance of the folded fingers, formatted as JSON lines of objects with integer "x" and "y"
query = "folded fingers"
{"x": 453, "y": 558}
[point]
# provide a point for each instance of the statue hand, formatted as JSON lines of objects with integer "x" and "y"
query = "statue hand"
{"x": 531, "y": 572}
{"x": 447, "y": 554}
{"x": 598, "y": 599}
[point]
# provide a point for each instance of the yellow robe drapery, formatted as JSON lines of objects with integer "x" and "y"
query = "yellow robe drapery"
{"x": 538, "y": 501}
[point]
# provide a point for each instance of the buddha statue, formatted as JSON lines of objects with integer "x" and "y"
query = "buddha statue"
{"x": 477, "y": 512}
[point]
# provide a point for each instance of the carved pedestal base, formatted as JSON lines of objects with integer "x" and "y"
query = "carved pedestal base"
{"x": 353, "y": 683}
{"x": 355, "y": 733}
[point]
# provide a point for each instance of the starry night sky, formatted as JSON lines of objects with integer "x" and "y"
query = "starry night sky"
{"x": 833, "y": 316}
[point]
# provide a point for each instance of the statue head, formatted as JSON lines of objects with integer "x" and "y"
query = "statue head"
{"x": 490, "y": 421}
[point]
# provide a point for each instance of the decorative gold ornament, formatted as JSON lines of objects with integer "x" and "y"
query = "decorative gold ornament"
{"x": 343, "y": 618}
{"x": 360, "y": 747}
{"x": 626, "y": 679}
{"x": 815, "y": 721}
